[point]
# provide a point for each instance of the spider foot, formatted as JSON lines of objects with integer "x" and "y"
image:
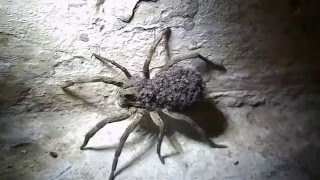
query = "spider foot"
{"x": 82, "y": 147}
{"x": 161, "y": 159}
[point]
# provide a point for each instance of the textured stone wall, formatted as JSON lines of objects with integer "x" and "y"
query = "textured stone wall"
{"x": 269, "y": 48}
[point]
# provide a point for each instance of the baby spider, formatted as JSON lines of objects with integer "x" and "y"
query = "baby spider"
{"x": 171, "y": 91}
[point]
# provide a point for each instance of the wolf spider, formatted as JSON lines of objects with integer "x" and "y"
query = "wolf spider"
{"x": 170, "y": 92}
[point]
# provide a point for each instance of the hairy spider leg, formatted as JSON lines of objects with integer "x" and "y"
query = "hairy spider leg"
{"x": 160, "y": 123}
{"x": 179, "y": 58}
{"x": 106, "y": 61}
{"x": 107, "y": 80}
{"x": 123, "y": 139}
{"x": 145, "y": 69}
{"x": 203, "y": 135}
{"x": 101, "y": 124}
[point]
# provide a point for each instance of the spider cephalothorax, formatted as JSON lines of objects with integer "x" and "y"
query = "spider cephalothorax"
{"x": 170, "y": 91}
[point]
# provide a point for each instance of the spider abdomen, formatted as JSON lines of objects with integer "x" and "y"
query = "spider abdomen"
{"x": 176, "y": 88}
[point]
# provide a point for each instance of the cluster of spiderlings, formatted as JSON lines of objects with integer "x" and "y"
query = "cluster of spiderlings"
{"x": 176, "y": 88}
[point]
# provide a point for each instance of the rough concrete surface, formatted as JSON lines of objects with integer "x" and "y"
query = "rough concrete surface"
{"x": 265, "y": 108}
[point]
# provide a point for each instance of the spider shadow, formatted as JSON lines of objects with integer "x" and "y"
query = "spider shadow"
{"x": 205, "y": 114}
{"x": 208, "y": 117}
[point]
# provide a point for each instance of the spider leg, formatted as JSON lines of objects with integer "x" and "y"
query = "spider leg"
{"x": 146, "y": 70}
{"x": 106, "y": 61}
{"x": 101, "y": 124}
{"x": 177, "y": 59}
{"x": 160, "y": 123}
{"x": 107, "y": 80}
{"x": 185, "y": 118}
{"x": 123, "y": 139}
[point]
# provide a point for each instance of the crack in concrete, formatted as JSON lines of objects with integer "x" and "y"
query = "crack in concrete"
{"x": 62, "y": 172}
{"x": 8, "y": 34}
{"x": 129, "y": 19}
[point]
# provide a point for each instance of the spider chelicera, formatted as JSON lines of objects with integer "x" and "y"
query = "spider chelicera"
{"x": 171, "y": 91}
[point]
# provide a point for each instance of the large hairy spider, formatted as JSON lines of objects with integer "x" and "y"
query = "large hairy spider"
{"x": 171, "y": 91}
